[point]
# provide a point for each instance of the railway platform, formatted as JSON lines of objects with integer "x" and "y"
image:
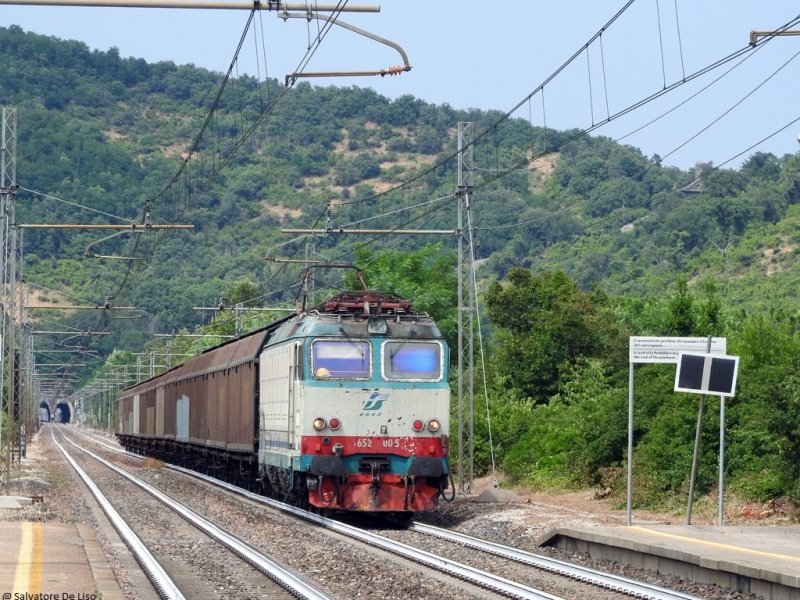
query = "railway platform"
{"x": 53, "y": 561}
{"x": 751, "y": 559}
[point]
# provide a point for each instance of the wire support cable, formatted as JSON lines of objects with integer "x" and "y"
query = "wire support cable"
{"x": 220, "y": 162}
{"x": 664, "y": 194}
{"x": 668, "y": 154}
{"x": 680, "y": 41}
{"x": 399, "y": 210}
{"x": 631, "y": 108}
{"x": 661, "y": 43}
{"x": 582, "y": 133}
{"x": 480, "y": 345}
{"x": 81, "y": 206}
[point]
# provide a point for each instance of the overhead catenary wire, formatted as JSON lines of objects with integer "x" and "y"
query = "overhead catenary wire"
{"x": 45, "y": 288}
{"x": 649, "y": 166}
{"x": 375, "y": 239}
{"x": 697, "y": 74}
{"x": 81, "y": 206}
{"x": 495, "y": 130}
{"x": 450, "y": 157}
{"x": 627, "y": 135}
{"x": 633, "y": 107}
{"x": 671, "y": 152}
{"x": 688, "y": 141}
{"x": 399, "y": 210}
{"x": 581, "y": 133}
{"x": 202, "y": 188}
{"x": 665, "y": 193}
{"x": 427, "y": 217}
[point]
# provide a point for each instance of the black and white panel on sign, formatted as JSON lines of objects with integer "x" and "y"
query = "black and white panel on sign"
{"x": 707, "y": 374}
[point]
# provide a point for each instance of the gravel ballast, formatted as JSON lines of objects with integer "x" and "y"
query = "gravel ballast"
{"x": 515, "y": 520}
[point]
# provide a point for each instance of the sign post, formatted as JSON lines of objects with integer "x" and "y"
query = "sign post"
{"x": 697, "y": 432}
{"x": 720, "y": 518}
{"x": 660, "y": 350}
{"x": 703, "y": 373}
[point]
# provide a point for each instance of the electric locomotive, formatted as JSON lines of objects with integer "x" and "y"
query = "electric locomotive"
{"x": 343, "y": 407}
{"x": 355, "y": 397}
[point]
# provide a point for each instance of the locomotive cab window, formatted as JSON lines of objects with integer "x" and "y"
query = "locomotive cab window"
{"x": 348, "y": 359}
{"x": 415, "y": 361}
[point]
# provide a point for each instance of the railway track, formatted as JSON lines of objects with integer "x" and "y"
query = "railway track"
{"x": 486, "y": 549}
{"x": 169, "y": 549}
{"x": 163, "y": 583}
{"x": 494, "y": 568}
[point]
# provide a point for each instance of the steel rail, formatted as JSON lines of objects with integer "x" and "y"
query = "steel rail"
{"x": 464, "y": 572}
{"x": 245, "y": 551}
{"x": 483, "y": 579}
{"x": 608, "y": 581}
{"x": 599, "y": 578}
{"x": 163, "y": 583}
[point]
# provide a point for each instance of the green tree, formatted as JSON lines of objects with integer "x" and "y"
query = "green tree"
{"x": 764, "y": 442}
{"x": 686, "y": 316}
{"x": 578, "y": 435}
{"x": 244, "y": 292}
{"x": 710, "y": 318}
{"x": 239, "y": 296}
{"x": 545, "y": 323}
{"x": 427, "y": 277}
{"x": 680, "y": 319}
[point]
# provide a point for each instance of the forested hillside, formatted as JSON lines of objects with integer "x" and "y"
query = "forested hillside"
{"x": 588, "y": 243}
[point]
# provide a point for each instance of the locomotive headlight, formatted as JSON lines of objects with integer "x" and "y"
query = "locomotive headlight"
{"x": 319, "y": 423}
{"x": 418, "y": 425}
{"x": 434, "y": 425}
{"x": 334, "y": 423}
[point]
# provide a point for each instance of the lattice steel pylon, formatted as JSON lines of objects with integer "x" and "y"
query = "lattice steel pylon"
{"x": 466, "y": 312}
{"x": 24, "y": 396}
{"x": 311, "y": 256}
{"x": 8, "y": 192}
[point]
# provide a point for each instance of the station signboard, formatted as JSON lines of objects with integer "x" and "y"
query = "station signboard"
{"x": 667, "y": 349}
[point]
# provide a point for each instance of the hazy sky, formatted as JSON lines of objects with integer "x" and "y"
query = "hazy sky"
{"x": 491, "y": 55}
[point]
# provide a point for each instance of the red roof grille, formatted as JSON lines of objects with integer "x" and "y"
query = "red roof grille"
{"x": 368, "y": 302}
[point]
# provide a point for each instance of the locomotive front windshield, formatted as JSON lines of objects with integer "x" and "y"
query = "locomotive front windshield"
{"x": 348, "y": 359}
{"x": 412, "y": 360}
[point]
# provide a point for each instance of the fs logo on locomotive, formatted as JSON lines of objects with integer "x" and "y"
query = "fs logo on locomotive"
{"x": 375, "y": 402}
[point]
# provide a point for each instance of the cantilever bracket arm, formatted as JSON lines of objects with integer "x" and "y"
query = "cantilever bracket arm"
{"x": 89, "y": 254}
{"x": 754, "y": 35}
{"x": 293, "y": 77}
{"x": 268, "y": 5}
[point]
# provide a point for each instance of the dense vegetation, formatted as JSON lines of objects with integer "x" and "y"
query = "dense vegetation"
{"x": 576, "y": 434}
{"x": 587, "y": 245}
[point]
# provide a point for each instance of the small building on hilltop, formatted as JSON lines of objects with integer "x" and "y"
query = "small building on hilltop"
{"x": 695, "y": 186}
